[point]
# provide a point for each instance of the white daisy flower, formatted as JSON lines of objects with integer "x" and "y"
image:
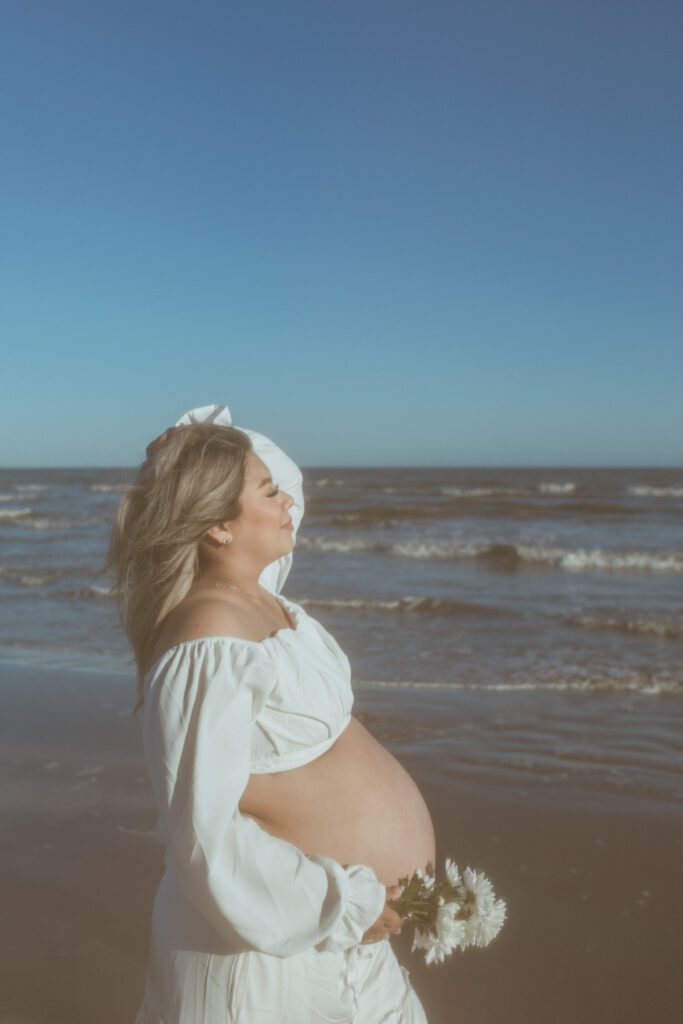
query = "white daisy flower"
{"x": 427, "y": 880}
{"x": 449, "y": 928}
{"x": 452, "y": 873}
{"x": 478, "y": 884}
{"x": 472, "y": 895}
{"x": 491, "y": 923}
{"x": 437, "y": 947}
{"x": 484, "y": 924}
{"x": 449, "y": 934}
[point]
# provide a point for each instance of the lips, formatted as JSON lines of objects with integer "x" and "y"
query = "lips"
{"x": 288, "y": 526}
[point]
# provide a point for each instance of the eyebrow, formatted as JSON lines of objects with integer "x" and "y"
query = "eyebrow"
{"x": 268, "y": 480}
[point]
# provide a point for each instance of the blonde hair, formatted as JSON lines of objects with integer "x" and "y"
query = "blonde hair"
{"x": 190, "y": 481}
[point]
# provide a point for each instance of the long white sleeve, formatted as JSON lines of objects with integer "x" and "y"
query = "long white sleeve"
{"x": 260, "y": 892}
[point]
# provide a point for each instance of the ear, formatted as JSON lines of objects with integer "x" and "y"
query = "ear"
{"x": 217, "y": 533}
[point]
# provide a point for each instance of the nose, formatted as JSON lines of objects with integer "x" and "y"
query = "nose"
{"x": 289, "y": 499}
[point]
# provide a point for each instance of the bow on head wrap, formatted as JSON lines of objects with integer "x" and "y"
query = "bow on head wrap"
{"x": 283, "y": 470}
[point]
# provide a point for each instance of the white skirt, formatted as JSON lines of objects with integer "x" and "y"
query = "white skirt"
{"x": 192, "y": 980}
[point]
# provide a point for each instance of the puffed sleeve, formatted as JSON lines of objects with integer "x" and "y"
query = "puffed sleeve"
{"x": 259, "y": 891}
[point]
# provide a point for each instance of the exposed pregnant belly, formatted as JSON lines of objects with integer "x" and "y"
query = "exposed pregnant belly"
{"x": 356, "y": 803}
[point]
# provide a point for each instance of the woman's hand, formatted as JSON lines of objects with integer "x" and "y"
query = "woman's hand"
{"x": 388, "y": 922}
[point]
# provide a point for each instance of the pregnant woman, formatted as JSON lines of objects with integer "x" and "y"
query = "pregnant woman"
{"x": 286, "y": 825}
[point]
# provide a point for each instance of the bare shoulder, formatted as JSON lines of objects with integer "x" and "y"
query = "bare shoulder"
{"x": 201, "y": 615}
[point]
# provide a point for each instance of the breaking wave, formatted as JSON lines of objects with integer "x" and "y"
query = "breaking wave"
{"x": 557, "y": 487}
{"x": 508, "y": 555}
{"x": 659, "y": 492}
{"x": 641, "y": 625}
{"x": 654, "y": 685}
{"x": 107, "y": 488}
{"x": 481, "y": 492}
{"x": 344, "y": 545}
{"x": 26, "y": 577}
{"x": 28, "y": 518}
{"x": 502, "y": 555}
{"x": 414, "y": 604}
{"x": 15, "y": 513}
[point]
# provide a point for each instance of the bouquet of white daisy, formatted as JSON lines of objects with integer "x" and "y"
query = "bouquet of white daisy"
{"x": 459, "y": 911}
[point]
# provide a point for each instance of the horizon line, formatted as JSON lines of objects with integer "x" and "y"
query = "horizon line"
{"x": 387, "y": 465}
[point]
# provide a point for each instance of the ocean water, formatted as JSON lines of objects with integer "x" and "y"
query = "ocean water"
{"x": 544, "y": 604}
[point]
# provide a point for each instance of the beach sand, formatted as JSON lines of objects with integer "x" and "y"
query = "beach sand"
{"x": 592, "y": 886}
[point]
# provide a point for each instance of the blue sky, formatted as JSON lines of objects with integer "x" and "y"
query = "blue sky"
{"x": 427, "y": 233}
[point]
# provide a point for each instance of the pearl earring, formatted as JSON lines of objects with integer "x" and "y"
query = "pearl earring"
{"x": 226, "y": 540}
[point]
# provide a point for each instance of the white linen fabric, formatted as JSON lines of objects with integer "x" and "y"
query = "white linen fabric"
{"x": 361, "y": 985}
{"x": 217, "y": 709}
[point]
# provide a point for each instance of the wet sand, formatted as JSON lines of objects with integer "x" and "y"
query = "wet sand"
{"x": 592, "y": 885}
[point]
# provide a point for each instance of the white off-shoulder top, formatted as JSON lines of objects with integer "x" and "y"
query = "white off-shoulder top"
{"x": 308, "y": 700}
{"x": 217, "y": 709}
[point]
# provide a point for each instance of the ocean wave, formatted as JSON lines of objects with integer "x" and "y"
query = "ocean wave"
{"x": 504, "y": 555}
{"x": 642, "y": 625}
{"x": 48, "y": 574}
{"x": 94, "y": 592}
{"x": 326, "y": 481}
{"x": 648, "y": 685}
{"x": 344, "y": 545}
{"x": 32, "y": 577}
{"x": 62, "y": 656}
{"x": 12, "y": 496}
{"x": 590, "y": 508}
{"x": 26, "y": 577}
{"x": 391, "y": 515}
{"x": 31, "y": 487}
{"x": 15, "y": 513}
{"x": 511, "y": 555}
{"x": 481, "y": 492}
{"x": 373, "y": 515}
{"x": 415, "y": 604}
{"x": 437, "y": 549}
{"x": 107, "y": 488}
{"x": 623, "y": 561}
{"x": 29, "y": 519}
{"x": 557, "y": 487}
{"x": 659, "y": 492}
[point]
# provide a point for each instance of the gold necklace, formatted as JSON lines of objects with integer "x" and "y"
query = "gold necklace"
{"x": 224, "y": 583}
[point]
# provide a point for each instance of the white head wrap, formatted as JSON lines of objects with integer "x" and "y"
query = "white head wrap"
{"x": 283, "y": 470}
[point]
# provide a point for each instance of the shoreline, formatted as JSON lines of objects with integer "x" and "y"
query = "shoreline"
{"x": 592, "y": 885}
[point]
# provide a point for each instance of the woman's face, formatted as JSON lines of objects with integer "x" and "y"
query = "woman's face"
{"x": 263, "y": 531}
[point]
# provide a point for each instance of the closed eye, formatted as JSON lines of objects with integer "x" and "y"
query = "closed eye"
{"x": 273, "y": 493}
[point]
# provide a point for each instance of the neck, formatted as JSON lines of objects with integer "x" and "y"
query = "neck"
{"x": 247, "y": 582}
